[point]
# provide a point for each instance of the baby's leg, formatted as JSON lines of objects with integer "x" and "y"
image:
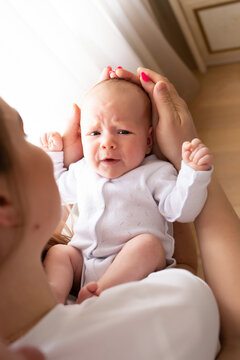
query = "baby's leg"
{"x": 63, "y": 266}
{"x": 139, "y": 257}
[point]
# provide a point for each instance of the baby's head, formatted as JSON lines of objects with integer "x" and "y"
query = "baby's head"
{"x": 116, "y": 127}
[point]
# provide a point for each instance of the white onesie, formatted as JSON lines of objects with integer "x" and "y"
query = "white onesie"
{"x": 112, "y": 211}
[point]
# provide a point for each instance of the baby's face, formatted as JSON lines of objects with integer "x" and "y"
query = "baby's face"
{"x": 115, "y": 129}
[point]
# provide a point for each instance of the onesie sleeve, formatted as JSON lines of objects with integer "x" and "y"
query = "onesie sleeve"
{"x": 183, "y": 198}
{"x": 66, "y": 178}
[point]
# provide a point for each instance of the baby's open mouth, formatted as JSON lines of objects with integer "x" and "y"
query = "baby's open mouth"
{"x": 110, "y": 161}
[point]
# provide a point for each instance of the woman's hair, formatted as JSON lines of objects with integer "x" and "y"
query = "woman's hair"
{"x": 6, "y": 155}
{"x": 61, "y": 236}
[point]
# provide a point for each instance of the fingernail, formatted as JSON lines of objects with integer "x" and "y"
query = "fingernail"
{"x": 145, "y": 77}
{"x": 109, "y": 67}
{"x": 119, "y": 67}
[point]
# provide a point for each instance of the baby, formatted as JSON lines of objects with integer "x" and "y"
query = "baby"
{"x": 127, "y": 198}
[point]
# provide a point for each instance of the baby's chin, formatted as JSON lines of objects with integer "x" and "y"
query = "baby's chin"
{"x": 112, "y": 168}
{"x": 113, "y": 172}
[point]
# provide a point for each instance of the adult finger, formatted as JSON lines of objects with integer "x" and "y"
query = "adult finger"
{"x": 154, "y": 76}
{"x": 72, "y": 138}
{"x": 128, "y": 75}
{"x": 170, "y": 134}
{"x": 159, "y": 94}
{"x": 73, "y": 124}
{"x": 105, "y": 74}
{"x": 164, "y": 104}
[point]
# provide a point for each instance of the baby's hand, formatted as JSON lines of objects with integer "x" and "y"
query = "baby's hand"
{"x": 51, "y": 141}
{"x": 196, "y": 155}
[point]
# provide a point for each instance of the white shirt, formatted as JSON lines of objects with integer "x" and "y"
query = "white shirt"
{"x": 170, "y": 315}
{"x": 112, "y": 211}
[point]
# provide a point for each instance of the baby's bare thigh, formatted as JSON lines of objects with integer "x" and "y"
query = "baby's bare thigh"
{"x": 66, "y": 256}
{"x": 76, "y": 259}
{"x": 149, "y": 245}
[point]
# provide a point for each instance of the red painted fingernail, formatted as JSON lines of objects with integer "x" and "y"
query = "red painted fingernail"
{"x": 119, "y": 67}
{"x": 109, "y": 67}
{"x": 145, "y": 77}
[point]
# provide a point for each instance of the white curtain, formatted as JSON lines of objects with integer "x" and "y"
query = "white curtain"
{"x": 52, "y": 51}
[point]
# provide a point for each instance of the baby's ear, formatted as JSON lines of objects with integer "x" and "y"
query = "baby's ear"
{"x": 149, "y": 140}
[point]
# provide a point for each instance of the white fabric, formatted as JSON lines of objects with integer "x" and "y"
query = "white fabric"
{"x": 112, "y": 211}
{"x": 170, "y": 315}
{"x": 52, "y": 52}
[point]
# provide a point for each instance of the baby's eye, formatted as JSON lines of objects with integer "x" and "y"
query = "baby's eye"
{"x": 124, "y": 132}
{"x": 95, "y": 133}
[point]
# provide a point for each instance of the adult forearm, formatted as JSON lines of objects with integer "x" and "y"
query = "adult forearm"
{"x": 218, "y": 232}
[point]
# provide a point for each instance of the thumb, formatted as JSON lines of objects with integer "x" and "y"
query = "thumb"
{"x": 73, "y": 123}
{"x": 163, "y": 101}
{"x": 76, "y": 116}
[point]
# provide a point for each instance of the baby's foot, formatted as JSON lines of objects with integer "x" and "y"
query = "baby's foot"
{"x": 89, "y": 290}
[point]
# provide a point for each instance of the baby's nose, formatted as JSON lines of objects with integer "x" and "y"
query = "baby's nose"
{"x": 108, "y": 143}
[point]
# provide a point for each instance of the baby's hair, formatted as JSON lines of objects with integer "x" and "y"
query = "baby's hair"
{"x": 138, "y": 87}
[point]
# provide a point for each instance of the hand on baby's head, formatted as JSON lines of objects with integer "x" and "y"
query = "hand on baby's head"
{"x": 51, "y": 141}
{"x": 196, "y": 155}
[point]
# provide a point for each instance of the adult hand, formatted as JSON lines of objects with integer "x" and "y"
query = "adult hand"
{"x": 72, "y": 143}
{"x": 24, "y": 353}
{"x": 172, "y": 120}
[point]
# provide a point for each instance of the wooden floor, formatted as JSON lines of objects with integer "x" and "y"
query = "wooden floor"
{"x": 216, "y": 113}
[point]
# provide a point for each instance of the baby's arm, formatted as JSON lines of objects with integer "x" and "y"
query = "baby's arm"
{"x": 196, "y": 155}
{"x": 176, "y": 203}
{"x": 53, "y": 144}
{"x": 51, "y": 141}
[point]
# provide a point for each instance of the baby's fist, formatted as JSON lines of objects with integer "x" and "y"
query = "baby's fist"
{"x": 51, "y": 141}
{"x": 196, "y": 155}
